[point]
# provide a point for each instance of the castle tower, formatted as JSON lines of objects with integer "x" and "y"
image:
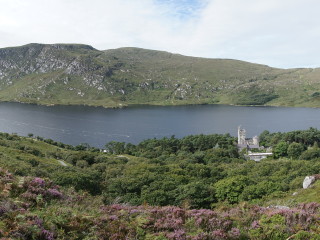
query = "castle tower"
{"x": 255, "y": 140}
{"x": 241, "y": 135}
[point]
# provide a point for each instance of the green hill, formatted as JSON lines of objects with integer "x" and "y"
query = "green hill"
{"x": 80, "y": 74}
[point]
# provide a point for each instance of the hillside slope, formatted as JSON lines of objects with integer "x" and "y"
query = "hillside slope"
{"x": 80, "y": 74}
{"x": 168, "y": 189}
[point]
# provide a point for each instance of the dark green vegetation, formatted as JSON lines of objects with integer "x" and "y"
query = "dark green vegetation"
{"x": 126, "y": 193}
{"x": 80, "y": 74}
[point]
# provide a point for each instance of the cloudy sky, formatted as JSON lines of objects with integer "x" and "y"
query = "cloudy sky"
{"x": 279, "y": 33}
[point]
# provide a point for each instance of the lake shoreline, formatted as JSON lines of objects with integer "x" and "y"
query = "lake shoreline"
{"x": 130, "y": 105}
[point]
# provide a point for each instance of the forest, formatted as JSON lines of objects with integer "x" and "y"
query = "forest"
{"x": 196, "y": 187}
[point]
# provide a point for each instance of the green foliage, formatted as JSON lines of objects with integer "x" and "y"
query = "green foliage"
{"x": 257, "y": 191}
{"x": 197, "y": 194}
{"x": 310, "y": 154}
{"x": 230, "y": 189}
{"x": 280, "y": 150}
{"x": 303, "y": 235}
{"x": 270, "y": 228}
{"x": 81, "y": 180}
{"x": 198, "y": 171}
{"x": 254, "y": 96}
{"x": 115, "y": 147}
{"x": 306, "y": 137}
{"x": 295, "y": 149}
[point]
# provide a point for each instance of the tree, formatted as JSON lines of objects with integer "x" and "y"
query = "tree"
{"x": 87, "y": 179}
{"x": 198, "y": 194}
{"x": 259, "y": 190}
{"x": 310, "y": 154}
{"x": 82, "y": 147}
{"x": 265, "y": 138}
{"x": 280, "y": 150}
{"x": 295, "y": 149}
{"x": 115, "y": 147}
{"x": 231, "y": 188}
{"x": 82, "y": 164}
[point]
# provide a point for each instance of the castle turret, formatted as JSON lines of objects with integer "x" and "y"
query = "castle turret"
{"x": 241, "y": 135}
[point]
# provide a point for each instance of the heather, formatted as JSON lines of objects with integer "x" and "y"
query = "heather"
{"x": 35, "y": 208}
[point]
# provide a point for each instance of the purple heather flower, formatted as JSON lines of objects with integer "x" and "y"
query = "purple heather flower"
{"x": 38, "y": 222}
{"x": 234, "y": 233}
{"x": 38, "y": 181}
{"x": 177, "y": 235}
{"x": 54, "y": 193}
{"x": 219, "y": 234}
{"x": 3, "y": 210}
{"x": 47, "y": 235}
{"x": 132, "y": 211}
{"x": 255, "y": 224}
{"x": 113, "y": 217}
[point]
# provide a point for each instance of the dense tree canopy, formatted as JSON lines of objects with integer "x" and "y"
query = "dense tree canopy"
{"x": 199, "y": 171}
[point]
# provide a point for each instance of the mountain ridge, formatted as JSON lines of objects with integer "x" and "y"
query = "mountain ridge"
{"x": 80, "y": 74}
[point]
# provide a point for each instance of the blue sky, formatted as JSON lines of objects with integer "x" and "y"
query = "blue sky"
{"x": 282, "y": 33}
{"x": 183, "y": 9}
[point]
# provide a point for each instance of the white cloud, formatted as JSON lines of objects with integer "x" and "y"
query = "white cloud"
{"x": 278, "y": 33}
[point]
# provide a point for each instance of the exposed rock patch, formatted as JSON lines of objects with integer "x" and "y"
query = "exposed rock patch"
{"x": 309, "y": 180}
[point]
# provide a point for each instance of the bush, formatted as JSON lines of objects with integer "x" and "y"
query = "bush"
{"x": 230, "y": 189}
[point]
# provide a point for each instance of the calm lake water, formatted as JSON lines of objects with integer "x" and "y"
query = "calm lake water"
{"x": 97, "y": 126}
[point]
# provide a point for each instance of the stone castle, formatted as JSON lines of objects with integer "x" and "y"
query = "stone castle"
{"x": 249, "y": 143}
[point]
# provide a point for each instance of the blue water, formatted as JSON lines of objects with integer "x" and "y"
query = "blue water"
{"x": 97, "y": 126}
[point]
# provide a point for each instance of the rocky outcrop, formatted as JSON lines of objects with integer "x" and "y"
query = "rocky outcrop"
{"x": 309, "y": 180}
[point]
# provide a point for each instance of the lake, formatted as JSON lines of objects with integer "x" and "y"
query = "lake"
{"x": 97, "y": 125}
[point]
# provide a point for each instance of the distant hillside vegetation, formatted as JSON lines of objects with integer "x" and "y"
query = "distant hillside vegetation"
{"x": 80, "y": 74}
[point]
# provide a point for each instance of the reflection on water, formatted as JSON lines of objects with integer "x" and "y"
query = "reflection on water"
{"x": 97, "y": 126}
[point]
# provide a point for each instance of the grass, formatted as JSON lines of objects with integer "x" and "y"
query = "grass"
{"x": 21, "y": 154}
{"x": 293, "y": 198}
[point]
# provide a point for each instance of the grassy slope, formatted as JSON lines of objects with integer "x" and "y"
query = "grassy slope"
{"x": 21, "y": 154}
{"x": 300, "y": 195}
{"x": 140, "y": 76}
